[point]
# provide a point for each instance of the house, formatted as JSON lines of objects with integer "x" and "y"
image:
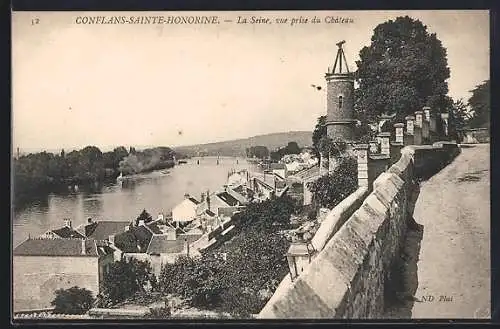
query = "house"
{"x": 185, "y": 211}
{"x": 214, "y": 202}
{"x": 279, "y": 168}
{"x": 65, "y": 232}
{"x": 244, "y": 191}
{"x": 135, "y": 240}
{"x": 158, "y": 249}
{"x": 293, "y": 166}
{"x": 262, "y": 189}
{"x": 102, "y": 230}
{"x": 238, "y": 178}
{"x": 42, "y": 265}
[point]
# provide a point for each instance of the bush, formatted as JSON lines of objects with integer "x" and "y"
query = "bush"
{"x": 330, "y": 190}
{"x": 74, "y": 300}
{"x": 124, "y": 279}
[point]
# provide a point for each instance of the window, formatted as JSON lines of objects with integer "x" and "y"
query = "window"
{"x": 340, "y": 102}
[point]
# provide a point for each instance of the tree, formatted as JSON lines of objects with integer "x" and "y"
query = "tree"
{"x": 255, "y": 259}
{"x": 480, "y": 105}
{"x": 124, "y": 279}
{"x": 460, "y": 115}
{"x": 292, "y": 148}
{"x": 260, "y": 152}
{"x": 74, "y": 300}
{"x": 329, "y": 190}
{"x": 330, "y": 147}
{"x": 404, "y": 69}
{"x": 318, "y": 133}
{"x": 144, "y": 216}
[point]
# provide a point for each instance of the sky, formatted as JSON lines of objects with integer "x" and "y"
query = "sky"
{"x": 75, "y": 85}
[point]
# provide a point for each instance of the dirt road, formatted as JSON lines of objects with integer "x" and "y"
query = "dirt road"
{"x": 454, "y": 261}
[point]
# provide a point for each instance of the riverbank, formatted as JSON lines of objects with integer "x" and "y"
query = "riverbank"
{"x": 112, "y": 202}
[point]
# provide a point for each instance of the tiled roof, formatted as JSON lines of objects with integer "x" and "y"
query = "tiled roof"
{"x": 101, "y": 230}
{"x": 153, "y": 227}
{"x": 264, "y": 184}
{"x": 56, "y": 247}
{"x": 244, "y": 190}
{"x": 241, "y": 198}
{"x": 68, "y": 232}
{"x": 161, "y": 245}
{"x": 136, "y": 239}
{"x": 228, "y": 198}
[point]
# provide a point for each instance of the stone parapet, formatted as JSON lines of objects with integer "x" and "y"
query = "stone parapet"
{"x": 347, "y": 279}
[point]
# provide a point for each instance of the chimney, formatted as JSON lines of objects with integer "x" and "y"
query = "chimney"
{"x": 186, "y": 195}
{"x": 89, "y": 220}
{"x": 67, "y": 223}
{"x": 111, "y": 239}
{"x": 83, "y": 247}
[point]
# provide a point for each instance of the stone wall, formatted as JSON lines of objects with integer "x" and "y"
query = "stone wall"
{"x": 351, "y": 276}
{"x": 475, "y": 136}
{"x": 35, "y": 278}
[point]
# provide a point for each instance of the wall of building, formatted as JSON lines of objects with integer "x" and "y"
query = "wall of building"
{"x": 475, "y": 136}
{"x": 348, "y": 278}
{"x": 36, "y": 278}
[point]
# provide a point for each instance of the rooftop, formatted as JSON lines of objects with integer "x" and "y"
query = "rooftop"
{"x": 228, "y": 198}
{"x": 68, "y": 232}
{"x": 153, "y": 227}
{"x": 160, "y": 244}
{"x": 136, "y": 239}
{"x": 101, "y": 230}
{"x": 61, "y": 247}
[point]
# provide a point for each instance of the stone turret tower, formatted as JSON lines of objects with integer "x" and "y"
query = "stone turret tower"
{"x": 340, "y": 99}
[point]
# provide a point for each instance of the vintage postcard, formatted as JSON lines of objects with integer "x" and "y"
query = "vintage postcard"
{"x": 251, "y": 165}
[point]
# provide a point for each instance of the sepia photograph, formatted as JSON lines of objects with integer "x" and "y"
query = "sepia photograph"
{"x": 250, "y": 165}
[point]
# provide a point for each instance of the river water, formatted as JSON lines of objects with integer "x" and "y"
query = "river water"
{"x": 156, "y": 192}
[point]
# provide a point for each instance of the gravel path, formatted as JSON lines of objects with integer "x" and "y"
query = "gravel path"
{"x": 454, "y": 261}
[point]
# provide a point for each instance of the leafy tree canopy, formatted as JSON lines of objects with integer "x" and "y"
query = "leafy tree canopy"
{"x": 480, "y": 105}
{"x": 404, "y": 68}
{"x": 291, "y": 148}
{"x": 74, "y": 300}
{"x": 144, "y": 216}
{"x": 124, "y": 279}
{"x": 331, "y": 189}
{"x": 260, "y": 152}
